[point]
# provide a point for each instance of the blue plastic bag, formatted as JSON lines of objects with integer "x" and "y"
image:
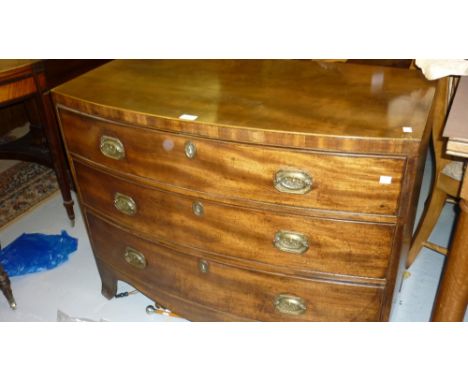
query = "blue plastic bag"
{"x": 36, "y": 252}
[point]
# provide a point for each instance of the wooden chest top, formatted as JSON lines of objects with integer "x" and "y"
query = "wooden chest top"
{"x": 309, "y": 98}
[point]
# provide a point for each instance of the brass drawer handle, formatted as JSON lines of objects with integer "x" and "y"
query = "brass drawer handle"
{"x": 190, "y": 150}
{"x": 125, "y": 204}
{"x": 291, "y": 242}
{"x": 134, "y": 258}
{"x": 293, "y": 182}
{"x": 288, "y": 304}
{"x": 112, "y": 147}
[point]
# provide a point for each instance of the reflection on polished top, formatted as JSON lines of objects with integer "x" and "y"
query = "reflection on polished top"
{"x": 304, "y": 96}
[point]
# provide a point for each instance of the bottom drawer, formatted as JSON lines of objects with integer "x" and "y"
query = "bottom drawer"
{"x": 244, "y": 293}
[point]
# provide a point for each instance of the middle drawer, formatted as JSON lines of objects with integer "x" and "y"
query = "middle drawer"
{"x": 285, "y": 240}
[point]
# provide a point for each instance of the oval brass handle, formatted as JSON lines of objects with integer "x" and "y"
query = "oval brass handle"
{"x": 288, "y": 304}
{"x": 190, "y": 150}
{"x": 112, "y": 147}
{"x": 135, "y": 258}
{"x": 292, "y": 242}
{"x": 293, "y": 182}
{"x": 125, "y": 204}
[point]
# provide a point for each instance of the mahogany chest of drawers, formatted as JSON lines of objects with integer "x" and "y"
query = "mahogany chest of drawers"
{"x": 249, "y": 190}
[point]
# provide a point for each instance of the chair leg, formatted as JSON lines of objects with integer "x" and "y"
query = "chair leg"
{"x": 428, "y": 220}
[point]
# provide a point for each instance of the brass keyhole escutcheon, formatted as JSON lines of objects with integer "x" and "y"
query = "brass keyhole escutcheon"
{"x": 198, "y": 209}
{"x": 203, "y": 266}
{"x": 190, "y": 150}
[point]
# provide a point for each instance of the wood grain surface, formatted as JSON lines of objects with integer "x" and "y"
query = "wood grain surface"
{"x": 17, "y": 90}
{"x": 308, "y": 97}
{"x": 10, "y": 65}
{"x": 351, "y": 248}
{"x": 280, "y": 102}
{"x": 342, "y": 183}
{"x": 244, "y": 293}
{"x": 342, "y": 124}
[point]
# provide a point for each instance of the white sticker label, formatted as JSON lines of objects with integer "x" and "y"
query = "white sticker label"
{"x": 188, "y": 117}
{"x": 407, "y": 129}
{"x": 385, "y": 179}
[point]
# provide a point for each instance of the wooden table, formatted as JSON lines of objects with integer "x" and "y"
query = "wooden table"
{"x": 452, "y": 297}
{"x": 25, "y": 81}
{"x": 29, "y": 82}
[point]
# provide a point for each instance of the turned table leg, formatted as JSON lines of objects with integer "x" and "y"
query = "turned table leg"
{"x": 452, "y": 297}
{"x": 6, "y": 287}
{"x": 57, "y": 153}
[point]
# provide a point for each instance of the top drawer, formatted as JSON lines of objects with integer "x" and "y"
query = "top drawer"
{"x": 280, "y": 176}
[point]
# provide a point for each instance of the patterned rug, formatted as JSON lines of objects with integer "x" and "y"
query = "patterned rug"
{"x": 23, "y": 187}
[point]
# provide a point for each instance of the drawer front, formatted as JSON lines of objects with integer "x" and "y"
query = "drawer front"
{"x": 289, "y": 177}
{"x": 294, "y": 241}
{"x": 244, "y": 293}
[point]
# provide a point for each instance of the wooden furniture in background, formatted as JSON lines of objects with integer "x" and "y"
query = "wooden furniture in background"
{"x": 251, "y": 189}
{"x": 24, "y": 91}
{"x": 452, "y": 297}
{"x": 5, "y": 287}
{"x": 25, "y": 95}
{"x": 24, "y": 81}
{"x": 445, "y": 185}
